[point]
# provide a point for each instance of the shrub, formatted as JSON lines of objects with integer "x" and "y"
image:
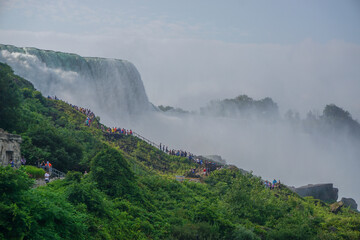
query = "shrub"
{"x": 34, "y": 172}
{"x": 73, "y": 176}
{"x": 12, "y": 183}
{"x": 241, "y": 232}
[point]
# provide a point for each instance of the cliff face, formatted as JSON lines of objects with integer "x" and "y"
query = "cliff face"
{"x": 112, "y": 88}
{"x": 325, "y": 192}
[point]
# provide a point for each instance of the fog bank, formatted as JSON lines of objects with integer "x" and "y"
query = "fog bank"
{"x": 271, "y": 150}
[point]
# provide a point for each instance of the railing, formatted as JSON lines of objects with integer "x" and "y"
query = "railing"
{"x": 146, "y": 140}
{"x": 158, "y": 146}
{"x": 143, "y": 138}
{"x": 57, "y": 173}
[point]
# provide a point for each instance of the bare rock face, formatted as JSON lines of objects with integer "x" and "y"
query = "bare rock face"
{"x": 216, "y": 158}
{"x": 9, "y": 148}
{"x": 349, "y": 202}
{"x": 325, "y": 192}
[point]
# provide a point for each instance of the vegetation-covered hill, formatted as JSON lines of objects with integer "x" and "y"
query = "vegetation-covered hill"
{"x": 130, "y": 192}
{"x": 243, "y": 106}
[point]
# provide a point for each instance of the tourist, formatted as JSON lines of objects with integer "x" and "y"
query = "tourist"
{"x": 274, "y": 182}
{"x": 23, "y": 160}
{"x": 48, "y": 166}
{"x": 42, "y": 165}
{"x": 47, "y": 177}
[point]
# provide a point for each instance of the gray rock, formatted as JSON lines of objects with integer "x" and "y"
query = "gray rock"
{"x": 216, "y": 158}
{"x": 9, "y": 148}
{"x": 349, "y": 202}
{"x": 325, "y": 192}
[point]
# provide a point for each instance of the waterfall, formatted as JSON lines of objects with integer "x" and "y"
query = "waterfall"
{"x": 111, "y": 88}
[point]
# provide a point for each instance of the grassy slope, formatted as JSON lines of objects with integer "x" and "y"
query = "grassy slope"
{"x": 144, "y": 202}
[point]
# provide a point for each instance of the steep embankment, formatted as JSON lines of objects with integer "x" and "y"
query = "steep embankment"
{"x": 129, "y": 192}
{"x": 113, "y": 88}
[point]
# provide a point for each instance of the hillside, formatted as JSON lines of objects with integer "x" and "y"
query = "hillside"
{"x": 131, "y": 191}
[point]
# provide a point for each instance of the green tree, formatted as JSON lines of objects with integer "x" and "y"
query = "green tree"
{"x": 46, "y": 143}
{"x": 340, "y": 119}
{"x": 13, "y": 183}
{"x": 111, "y": 172}
{"x": 335, "y": 112}
{"x": 9, "y": 99}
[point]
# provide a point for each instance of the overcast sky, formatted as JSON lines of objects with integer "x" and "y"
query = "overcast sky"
{"x": 303, "y": 54}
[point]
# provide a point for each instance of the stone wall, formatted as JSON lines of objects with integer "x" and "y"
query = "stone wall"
{"x": 9, "y": 148}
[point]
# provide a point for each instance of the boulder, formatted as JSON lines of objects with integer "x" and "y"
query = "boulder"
{"x": 325, "y": 192}
{"x": 349, "y": 202}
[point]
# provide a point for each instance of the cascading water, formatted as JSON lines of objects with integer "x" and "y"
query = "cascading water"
{"x": 111, "y": 88}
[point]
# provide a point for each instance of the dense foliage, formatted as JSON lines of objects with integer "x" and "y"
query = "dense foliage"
{"x": 9, "y": 98}
{"x": 130, "y": 191}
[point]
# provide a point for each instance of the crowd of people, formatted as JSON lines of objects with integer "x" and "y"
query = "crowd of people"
{"x": 117, "y": 130}
{"x": 85, "y": 111}
{"x": 46, "y": 166}
{"x": 272, "y": 185}
{"x": 206, "y": 166}
{"x": 90, "y": 116}
{"x": 52, "y": 98}
{"x": 173, "y": 152}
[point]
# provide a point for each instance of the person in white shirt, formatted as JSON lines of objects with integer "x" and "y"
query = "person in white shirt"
{"x": 47, "y": 177}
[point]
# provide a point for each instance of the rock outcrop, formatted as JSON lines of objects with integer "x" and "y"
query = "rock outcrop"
{"x": 349, "y": 202}
{"x": 216, "y": 158}
{"x": 336, "y": 207}
{"x": 325, "y": 192}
